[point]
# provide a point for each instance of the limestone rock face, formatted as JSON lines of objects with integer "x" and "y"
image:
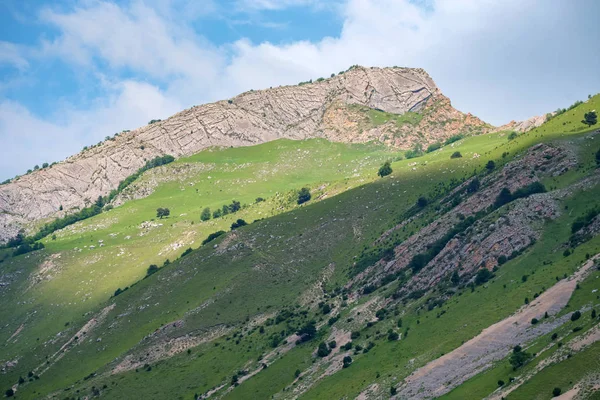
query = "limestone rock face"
{"x": 293, "y": 112}
{"x": 524, "y": 126}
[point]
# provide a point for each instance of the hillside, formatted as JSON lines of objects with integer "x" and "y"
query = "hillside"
{"x": 400, "y": 107}
{"x": 420, "y": 284}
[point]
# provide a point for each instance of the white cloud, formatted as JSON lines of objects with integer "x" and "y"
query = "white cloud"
{"x": 12, "y": 54}
{"x": 500, "y": 60}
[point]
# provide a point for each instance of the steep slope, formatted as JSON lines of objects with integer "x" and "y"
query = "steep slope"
{"x": 232, "y": 318}
{"x": 293, "y": 112}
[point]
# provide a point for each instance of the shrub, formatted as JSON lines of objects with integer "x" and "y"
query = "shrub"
{"x": 422, "y": 202}
{"x": 456, "y": 154}
{"x": 392, "y": 336}
{"x": 554, "y": 336}
{"x": 512, "y": 136}
{"x": 326, "y": 309}
{"x": 355, "y": 335}
{"x": 153, "y": 121}
{"x": 213, "y": 236}
{"x": 323, "y": 350}
{"x": 575, "y": 316}
{"x": 162, "y": 212}
{"x": 504, "y": 197}
{"x": 534, "y": 321}
{"x": 151, "y": 269}
{"x": 217, "y": 213}
{"x": 385, "y": 169}
{"x": 556, "y": 392}
{"x": 297, "y": 373}
{"x": 502, "y": 259}
{"x": 393, "y": 391}
{"x": 259, "y": 199}
{"x": 9, "y": 393}
{"x": 238, "y": 224}
{"x": 490, "y": 166}
{"x": 307, "y": 332}
{"x": 473, "y": 186}
{"x": 303, "y": 195}
{"x": 590, "y": 118}
{"x": 205, "y": 216}
{"x": 433, "y": 147}
{"x": 483, "y": 275}
{"x": 500, "y": 382}
{"x": 452, "y": 139}
{"x": 518, "y": 357}
{"x": 347, "y": 361}
{"x": 186, "y": 252}
{"x": 332, "y": 344}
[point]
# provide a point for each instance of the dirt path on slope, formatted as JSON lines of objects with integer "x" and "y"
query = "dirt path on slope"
{"x": 492, "y": 344}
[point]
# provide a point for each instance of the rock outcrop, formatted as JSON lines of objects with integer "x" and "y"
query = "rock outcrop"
{"x": 293, "y": 112}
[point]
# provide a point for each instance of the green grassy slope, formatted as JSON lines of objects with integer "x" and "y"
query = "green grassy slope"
{"x": 260, "y": 269}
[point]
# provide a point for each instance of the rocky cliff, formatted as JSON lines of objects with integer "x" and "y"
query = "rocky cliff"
{"x": 337, "y": 109}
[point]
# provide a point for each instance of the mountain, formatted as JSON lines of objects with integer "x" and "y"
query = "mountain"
{"x": 396, "y": 106}
{"x": 307, "y": 268}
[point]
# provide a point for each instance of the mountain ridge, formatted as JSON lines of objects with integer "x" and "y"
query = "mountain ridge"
{"x": 253, "y": 117}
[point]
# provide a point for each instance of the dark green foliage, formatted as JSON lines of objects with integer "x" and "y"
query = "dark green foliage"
{"x": 534, "y": 321}
{"x": 332, "y": 344}
{"x": 518, "y": 358}
{"x": 500, "y": 382}
{"x": 392, "y": 335}
{"x": 323, "y": 350}
{"x": 556, "y": 392}
{"x": 483, "y": 275}
{"x": 490, "y": 166}
{"x": 418, "y": 262}
{"x": 584, "y": 221}
{"x": 307, "y": 332}
{"x": 213, "y": 236}
{"x": 416, "y": 151}
{"x": 433, "y": 147}
{"x": 326, "y": 309}
{"x": 575, "y": 316}
{"x": 217, "y": 213}
{"x": 593, "y": 314}
{"x": 303, "y": 195}
{"x": 393, "y": 391}
{"x": 151, "y": 269}
{"x": 259, "y": 199}
{"x": 347, "y": 361}
{"x": 502, "y": 259}
{"x": 455, "y": 278}
{"x": 598, "y": 158}
{"x": 554, "y": 336}
{"x": 26, "y": 248}
{"x": 186, "y": 252}
{"x": 205, "y": 216}
{"x": 380, "y": 314}
{"x": 422, "y": 202}
{"x": 452, "y": 139}
{"x": 590, "y": 118}
{"x": 9, "y": 393}
{"x": 162, "y": 212}
{"x": 238, "y": 224}
{"x": 355, "y": 335}
{"x": 385, "y": 169}
{"x": 473, "y": 186}
{"x": 118, "y": 292}
{"x": 512, "y": 136}
{"x": 456, "y": 154}
{"x": 504, "y": 197}
{"x": 153, "y": 121}
{"x": 297, "y": 373}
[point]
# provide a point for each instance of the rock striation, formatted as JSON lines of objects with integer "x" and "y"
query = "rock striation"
{"x": 292, "y": 112}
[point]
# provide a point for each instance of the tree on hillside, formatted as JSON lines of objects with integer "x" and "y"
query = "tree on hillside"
{"x": 238, "y": 224}
{"x": 490, "y": 165}
{"x": 162, "y": 212}
{"x": 205, "y": 216}
{"x": 590, "y": 118}
{"x": 456, "y": 154}
{"x": 518, "y": 358}
{"x": 303, "y": 195}
{"x": 385, "y": 169}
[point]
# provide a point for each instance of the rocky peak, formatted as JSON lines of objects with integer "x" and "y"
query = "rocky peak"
{"x": 293, "y": 112}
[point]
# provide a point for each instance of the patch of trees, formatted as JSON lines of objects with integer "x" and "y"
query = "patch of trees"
{"x": 433, "y": 147}
{"x": 153, "y": 121}
{"x": 483, "y": 275}
{"x": 162, "y": 212}
{"x": 307, "y": 332}
{"x": 456, "y": 154}
{"x": 385, "y": 169}
{"x": 155, "y": 162}
{"x": 231, "y": 208}
{"x": 213, "y": 236}
{"x": 518, "y": 358}
{"x": 205, "y": 215}
{"x": 512, "y": 136}
{"x": 584, "y": 221}
{"x": 453, "y": 138}
{"x": 505, "y": 196}
{"x": 303, "y": 195}
{"x": 590, "y": 118}
{"x": 238, "y": 224}
{"x": 560, "y": 111}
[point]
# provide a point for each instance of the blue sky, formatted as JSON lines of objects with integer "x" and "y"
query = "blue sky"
{"x": 73, "y": 72}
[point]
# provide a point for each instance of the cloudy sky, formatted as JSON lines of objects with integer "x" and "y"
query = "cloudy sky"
{"x": 73, "y": 72}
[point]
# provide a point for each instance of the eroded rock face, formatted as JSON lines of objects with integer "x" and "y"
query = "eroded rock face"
{"x": 293, "y": 112}
{"x": 524, "y": 126}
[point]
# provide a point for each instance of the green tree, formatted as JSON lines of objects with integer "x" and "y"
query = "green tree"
{"x": 303, "y": 195}
{"x": 238, "y": 224}
{"x": 518, "y": 358}
{"x": 151, "y": 269}
{"x": 490, "y": 166}
{"x": 385, "y": 169}
{"x": 205, "y": 216}
{"x": 575, "y": 316}
{"x": 556, "y": 392}
{"x": 217, "y": 213}
{"x": 456, "y": 154}
{"x": 162, "y": 212}
{"x": 323, "y": 350}
{"x": 590, "y": 118}
{"x": 503, "y": 198}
